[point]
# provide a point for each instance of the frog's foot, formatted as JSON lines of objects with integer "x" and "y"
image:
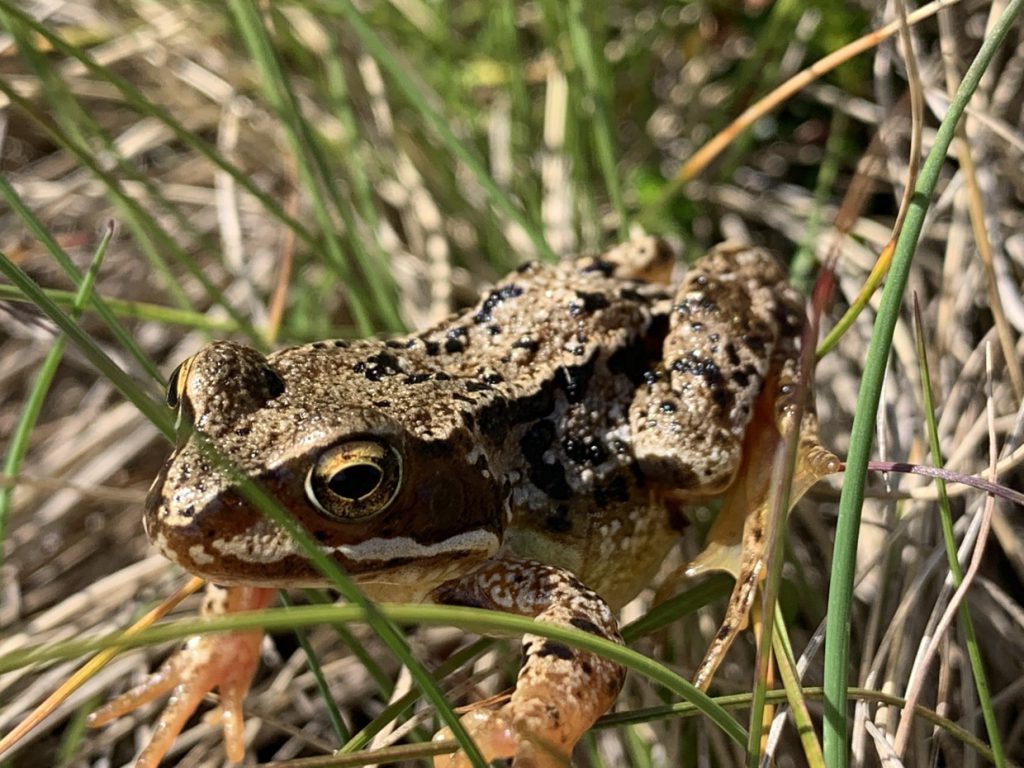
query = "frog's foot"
{"x": 560, "y": 691}
{"x": 226, "y": 661}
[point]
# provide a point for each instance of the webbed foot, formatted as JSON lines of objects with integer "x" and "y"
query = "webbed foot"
{"x": 226, "y": 661}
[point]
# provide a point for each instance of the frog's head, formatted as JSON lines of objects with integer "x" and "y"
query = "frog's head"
{"x": 378, "y": 464}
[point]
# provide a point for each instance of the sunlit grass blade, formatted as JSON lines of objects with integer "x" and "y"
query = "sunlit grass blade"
{"x": 715, "y": 587}
{"x": 837, "y": 642}
{"x": 457, "y": 147}
{"x": 787, "y": 667}
{"x": 155, "y": 411}
{"x": 469, "y": 619}
{"x": 134, "y": 310}
{"x": 949, "y": 539}
{"x": 97, "y": 303}
{"x": 18, "y": 445}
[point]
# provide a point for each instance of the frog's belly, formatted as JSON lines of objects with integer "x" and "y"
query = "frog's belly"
{"x": 616, "y": 551}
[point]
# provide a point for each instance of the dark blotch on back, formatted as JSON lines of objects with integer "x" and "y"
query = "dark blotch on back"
{"x": 587, "y": 302}
{"x": 606, "y": 268}
{"x": 496, "y": 297}
{"x": 501, "y": 414}
{"x": 380, "y": 365}
{"x": 586, "y": 625}
{"x": 559, "y": 521}
{"x": 550, "y": 478}
{"x": 574, "y": 379}
{"x": 580, "y": 452}
{"x": 704, "y": 367}
{"x": 456, "y": 340}
{"x": 272, "y": 382}
{"x": 554, "y": 648}
{"x": 536, "y": 440}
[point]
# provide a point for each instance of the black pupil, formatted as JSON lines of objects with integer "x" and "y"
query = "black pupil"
{"x": 356, "y": 481}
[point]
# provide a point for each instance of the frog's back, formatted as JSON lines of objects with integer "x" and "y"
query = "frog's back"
{"x": 562, "y": 350}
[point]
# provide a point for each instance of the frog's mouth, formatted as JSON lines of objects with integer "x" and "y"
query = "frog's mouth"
{"x": 265, "y": 555}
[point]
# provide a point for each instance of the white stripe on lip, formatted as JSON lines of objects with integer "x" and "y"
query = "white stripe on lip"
{"x": 273, "y": 547}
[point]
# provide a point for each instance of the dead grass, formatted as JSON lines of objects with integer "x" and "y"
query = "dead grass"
{"x": 75, "y": 560}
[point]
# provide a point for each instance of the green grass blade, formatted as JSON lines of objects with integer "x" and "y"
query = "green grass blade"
{"x": 786, "y": 660}
{"x": 136, "y": 310}
{"x": 595, "y": 80}
{"x": 716, "y": 586}
{"x": 469, "y": 619}
{"x": 152, "y": 409}
{"x": 18, "y": 446}
{"x": 949, "y": 538}
{"x": 408, "y": 86}
{"x": 101, "y": 307}
{"x": 330, "y": 706}
{"x": 837, "y": 639}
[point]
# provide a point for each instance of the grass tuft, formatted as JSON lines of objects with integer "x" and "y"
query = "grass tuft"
{"x": 279, "y": 173}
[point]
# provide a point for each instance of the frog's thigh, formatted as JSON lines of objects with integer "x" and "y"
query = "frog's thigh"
{"x": 727, "y": 318}
{"x": 560, "y": 691}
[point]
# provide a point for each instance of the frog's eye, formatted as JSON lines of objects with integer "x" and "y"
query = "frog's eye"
{"x": 355, "y": 480}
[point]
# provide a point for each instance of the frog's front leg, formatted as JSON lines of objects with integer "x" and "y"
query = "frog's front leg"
{"x": 226, "y": 661}
{"x": 560, "y": 691}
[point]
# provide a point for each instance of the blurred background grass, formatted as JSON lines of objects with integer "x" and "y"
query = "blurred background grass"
{"x": 292, "y": 171}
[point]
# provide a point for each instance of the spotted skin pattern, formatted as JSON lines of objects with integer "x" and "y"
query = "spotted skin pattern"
{"x": 543, "y": 728}
{"x": 534, "y": 454}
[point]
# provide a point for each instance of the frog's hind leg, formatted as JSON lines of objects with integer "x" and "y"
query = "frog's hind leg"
{"x": 560, "y": 691}
{"x": 732, "y": 317}
{"x": 715, "y": 414}
{"x": 738, "y": 537}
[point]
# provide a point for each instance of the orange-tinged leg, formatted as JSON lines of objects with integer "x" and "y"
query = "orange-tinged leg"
{"x": 736, "y": 542}
{"x": 560, "y": 691}
{"x": 226, "y": 661}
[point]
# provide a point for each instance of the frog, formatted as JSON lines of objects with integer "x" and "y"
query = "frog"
{"x": 537, "y": 453}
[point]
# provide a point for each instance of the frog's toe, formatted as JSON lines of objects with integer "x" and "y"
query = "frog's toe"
{"x": 226, "y": 662}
